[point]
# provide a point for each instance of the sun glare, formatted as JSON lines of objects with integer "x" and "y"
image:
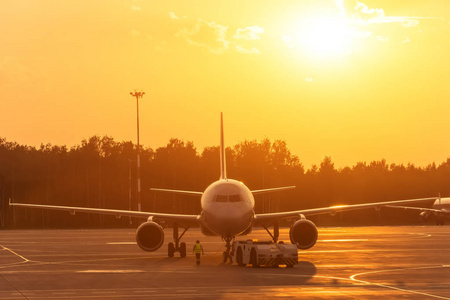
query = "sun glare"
{"x": 325, "y": 38}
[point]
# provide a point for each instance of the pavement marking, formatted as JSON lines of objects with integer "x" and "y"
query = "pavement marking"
{"x": 16, "y": 254}
{"x": 344, "y": 240}
{"x": 370, "y": 250}
{"x": 420, "y": 235}
{"x": 98, "y": 260}
{"x": 396, "y": 288}
{"x": 122, "y": 243}
{"x": 110, "y": 271}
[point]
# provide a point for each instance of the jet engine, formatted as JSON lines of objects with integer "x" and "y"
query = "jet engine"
{"x": 149, "y": 236}
{"x": 424, "y": 216}
{"x": 303, "y": 234}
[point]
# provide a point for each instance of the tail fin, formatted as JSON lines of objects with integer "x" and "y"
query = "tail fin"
{"x": 223, "y": 166}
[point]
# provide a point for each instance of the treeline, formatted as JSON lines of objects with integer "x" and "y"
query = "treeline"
{"x": 101, "y": 172}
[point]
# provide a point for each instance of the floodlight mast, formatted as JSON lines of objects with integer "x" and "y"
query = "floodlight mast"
{"x": 138, "y": 95}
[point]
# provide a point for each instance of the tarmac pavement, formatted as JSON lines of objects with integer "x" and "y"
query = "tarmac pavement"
{"x": 346, "y": 263}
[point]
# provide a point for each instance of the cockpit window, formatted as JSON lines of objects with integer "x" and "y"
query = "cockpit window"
{"x": 221, "y": 198}
{"x": 234, "y": 198}
{"x": 228, "y": 198}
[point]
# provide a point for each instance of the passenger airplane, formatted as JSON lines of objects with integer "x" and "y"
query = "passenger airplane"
{"x": 440, "y": 209}
{"x": 227, "y": 211}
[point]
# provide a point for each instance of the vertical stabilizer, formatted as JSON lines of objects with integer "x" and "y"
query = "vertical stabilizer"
{"x": 223, "y": 165}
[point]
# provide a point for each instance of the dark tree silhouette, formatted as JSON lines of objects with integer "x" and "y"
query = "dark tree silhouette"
{"x": 96, "y": 173}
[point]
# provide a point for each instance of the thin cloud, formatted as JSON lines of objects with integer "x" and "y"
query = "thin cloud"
{"x": 340, "y": 6}
{"x": 243, "y": 50}
{"x": 249, "y": 33}
{"x": 208, "y": 35}
{"x": 410, "y": 23}
{"x": 361, "y": 14}
{"x": 173, "y": 16}
{"x": 403, "y": 20}
{"x": 406, "y": 40}
{"x": 214, "y": 37}
{"x": 382, "y": 38}
{"x": 364, "y": 12}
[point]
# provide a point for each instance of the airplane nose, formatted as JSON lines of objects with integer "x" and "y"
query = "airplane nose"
{"x": 229, "y": 213}
{"x": 233, "y": 220}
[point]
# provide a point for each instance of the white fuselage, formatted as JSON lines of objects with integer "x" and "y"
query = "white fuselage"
{"x": 227, "y": 207}
{"x": 442, "y": 204}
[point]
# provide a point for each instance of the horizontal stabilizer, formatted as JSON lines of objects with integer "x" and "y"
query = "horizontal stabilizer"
{"x": 177, "y": 192}
{"x": 278, "y": 189}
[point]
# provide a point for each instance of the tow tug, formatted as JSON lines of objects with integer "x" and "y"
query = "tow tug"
{"x": 264, "y": 253}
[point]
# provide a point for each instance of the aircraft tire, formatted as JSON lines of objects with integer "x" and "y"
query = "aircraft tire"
{"x": 254, "y": 259}
{"x": 183, "y": 250}
{"x": 171, "y": 250}
{"x": 239, "y": 258}
{"x": 225, "y": 257}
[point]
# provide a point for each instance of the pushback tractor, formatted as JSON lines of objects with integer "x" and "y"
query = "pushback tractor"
{"x": 264, "y": 253}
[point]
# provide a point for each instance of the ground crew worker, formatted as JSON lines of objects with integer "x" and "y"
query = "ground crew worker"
{"x": 198, "y": 249}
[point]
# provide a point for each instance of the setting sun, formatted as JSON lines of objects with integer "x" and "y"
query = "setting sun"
{"x": 325, "y": 37}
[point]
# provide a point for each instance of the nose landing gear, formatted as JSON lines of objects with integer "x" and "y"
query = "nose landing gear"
{"x": 227, "y": 254}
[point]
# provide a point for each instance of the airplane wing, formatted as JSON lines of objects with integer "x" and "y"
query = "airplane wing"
{"x": 192, "y": 193}
{"x": 255, "y": 192}
{"x": 417, "y": 208}
{"x": 270, "y": 217}
{"x": 114, "y": 212}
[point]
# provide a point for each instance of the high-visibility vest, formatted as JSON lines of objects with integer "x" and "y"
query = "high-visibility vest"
{"x": 198, "y": 248}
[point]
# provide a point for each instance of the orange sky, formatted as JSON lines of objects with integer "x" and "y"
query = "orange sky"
{"x": 357, "y": 81}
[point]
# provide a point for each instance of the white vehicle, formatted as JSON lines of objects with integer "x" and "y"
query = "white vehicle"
{"x": 265, "y": 253}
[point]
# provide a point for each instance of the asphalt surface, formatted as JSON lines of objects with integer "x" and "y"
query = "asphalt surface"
{"x": 346, "y": 263}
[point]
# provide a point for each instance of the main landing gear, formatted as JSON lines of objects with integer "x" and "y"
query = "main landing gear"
{"x": 276, "y": 231}
{"x": 227, "y": 254}
{"x": 176, "y": 246}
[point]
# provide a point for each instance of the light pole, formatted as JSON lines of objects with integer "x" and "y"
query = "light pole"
{"x": 138, "y": 95}
{"x": 129, "y": 187}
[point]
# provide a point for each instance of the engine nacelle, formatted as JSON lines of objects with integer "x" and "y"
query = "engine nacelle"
{"x": 149, "y": 236}
{"x": 424, "y": 216}
{"x": 303, "y": 234}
